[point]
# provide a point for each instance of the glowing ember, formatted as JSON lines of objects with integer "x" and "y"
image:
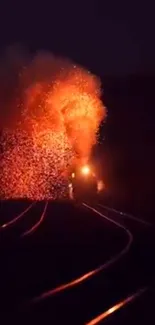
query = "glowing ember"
{"x": 54, "y": 120}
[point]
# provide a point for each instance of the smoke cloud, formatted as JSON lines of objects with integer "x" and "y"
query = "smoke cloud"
{"x": 50, "y": 111}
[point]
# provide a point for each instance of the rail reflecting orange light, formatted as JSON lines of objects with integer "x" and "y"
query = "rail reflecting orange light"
{"x": 64, "y": 287}
{"x": 116, "y": 307}
{"x": 9, "y": 223}
{"x": 88, "y": 275}
{"x": 31, "y": 230}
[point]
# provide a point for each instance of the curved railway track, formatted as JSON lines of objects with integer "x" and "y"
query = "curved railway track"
{"x": 17, "y": 217}
{"x": 101, "y": 268}
{"x": 25, "y": 214}
{"x": 115, "y": 264}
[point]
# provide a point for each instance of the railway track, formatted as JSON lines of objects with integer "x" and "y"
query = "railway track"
{"x": 99, "y": 293}
{"x": 25, "y": 222}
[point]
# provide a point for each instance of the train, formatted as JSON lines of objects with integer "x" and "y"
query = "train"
{"x": 83, "y": 183}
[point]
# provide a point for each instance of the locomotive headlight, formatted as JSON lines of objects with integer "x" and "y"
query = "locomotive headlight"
{"x": 85, "y": 170}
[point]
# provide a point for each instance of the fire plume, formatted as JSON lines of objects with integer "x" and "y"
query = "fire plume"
{"x": 54, "y": 120}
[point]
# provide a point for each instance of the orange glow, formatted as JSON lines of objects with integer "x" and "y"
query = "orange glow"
{"x": 101, "y": 317}
{"x": 55, "y": 121}
{"x": 73, "y": 175}
{"x": 37, "y": 224}
{"x": 64, "y": 286}
{"x": 100, "y": 186}
{"x": 85, "y": 170}
{"x": 116, "y": 307}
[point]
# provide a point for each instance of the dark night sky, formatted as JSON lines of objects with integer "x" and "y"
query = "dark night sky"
{"x": 110, "y": 37}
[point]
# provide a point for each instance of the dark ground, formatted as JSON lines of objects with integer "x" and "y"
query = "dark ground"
{"x": 71, "y": 241}
{"x": 9, "y": 210}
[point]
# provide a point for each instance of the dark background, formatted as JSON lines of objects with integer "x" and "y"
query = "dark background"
{"x": 115, "y": 40}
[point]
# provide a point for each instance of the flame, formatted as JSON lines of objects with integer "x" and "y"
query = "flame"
{"x": 56, "y": 118}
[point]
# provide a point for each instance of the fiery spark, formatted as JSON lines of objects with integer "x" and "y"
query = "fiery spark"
{"x": 52, "y": 120}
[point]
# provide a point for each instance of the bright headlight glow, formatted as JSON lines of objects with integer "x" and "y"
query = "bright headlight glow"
{"x": 100, "y": 185}
{"x": 85, "y": 170}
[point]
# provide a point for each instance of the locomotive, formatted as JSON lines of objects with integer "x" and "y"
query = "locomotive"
{"x": 82, "y": 183}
